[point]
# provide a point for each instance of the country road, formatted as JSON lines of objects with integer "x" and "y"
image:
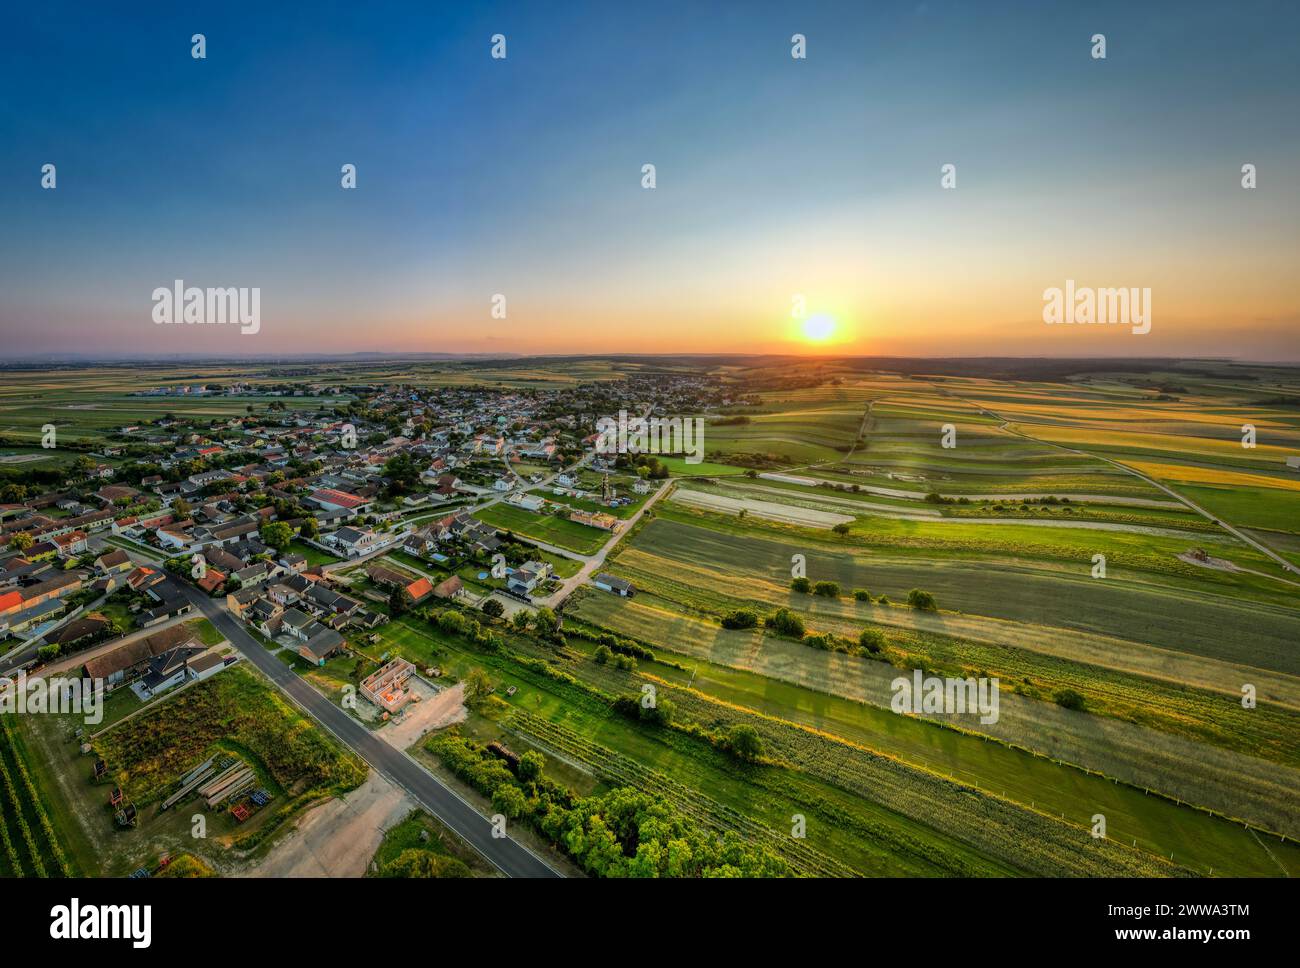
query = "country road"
{"x": 510, "y": 857}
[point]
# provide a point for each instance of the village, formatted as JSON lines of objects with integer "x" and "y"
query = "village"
{"x": 313, "y": 524}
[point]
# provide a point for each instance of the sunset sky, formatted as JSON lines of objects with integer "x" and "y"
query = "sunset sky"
{"x": 775, "y": 176}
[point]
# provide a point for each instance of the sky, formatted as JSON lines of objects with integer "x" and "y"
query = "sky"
{"x": 775, "y": 177}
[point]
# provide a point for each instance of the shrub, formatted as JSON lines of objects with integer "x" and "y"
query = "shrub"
{"x": 744, "y": 743}
{"x": 1069, "y": 699}
{"x": 827, "y": 589}
{"x": 603, "y": 654}
{"x": 741, "y": 618}
{"x": 801, "y": 585}
{"x": 872, "y": 639}
{"x": 922, "y": 600}
{"x": 861, "y": 595}
{"x": 785, "y": 622}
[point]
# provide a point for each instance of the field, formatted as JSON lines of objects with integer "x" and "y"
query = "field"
{"x": 1098, "y": 548}
{"x": 236, "y": 714}
{"x": 550, "y": 528}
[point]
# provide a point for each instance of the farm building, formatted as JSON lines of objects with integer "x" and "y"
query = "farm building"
{"x": 619, "y": 586}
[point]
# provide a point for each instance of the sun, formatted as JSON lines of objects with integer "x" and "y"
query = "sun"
{"x": 817, "y": 329}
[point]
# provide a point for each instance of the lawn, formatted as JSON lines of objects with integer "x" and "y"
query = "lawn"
{"x": 551, "y": 529}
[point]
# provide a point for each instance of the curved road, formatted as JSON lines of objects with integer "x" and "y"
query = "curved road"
{"x": 510, "y": 857}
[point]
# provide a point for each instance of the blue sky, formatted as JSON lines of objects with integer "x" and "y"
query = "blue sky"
{"x": 522, "y": 176}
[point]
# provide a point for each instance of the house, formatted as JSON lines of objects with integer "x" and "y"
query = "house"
{"x": 212, "y": 581}
{"x": 70, "y": 545}
{"x": 328, "y": 600}
{"x": 293, "y": 562}
{"x": 619, "y": 586}
{"x": 51, "y": 589}
{"x": 113, "y": 562}
{"x": 387, "y": 687}
{"x": 166, "y": 670}
{"x": 110, "y": 494}
{"x": 642, "y": 486}
{"x": 321, "y": 644}
{"x": 527, "y": 577}
{"x": 205, "y": 666}
{"x": 529, "y": 502}
{"x": 295, "y": 622}
{"x": 331, "y": 499}
{"x": 353, "y": 541}
{"x": 80, "y": 632}
{"x": 417, "y": 588}
{"x": 595, "y": 519}
{"x": 452, "y": 588}
{"x": 502, "y": 484}
{"x": 130, "y": 660}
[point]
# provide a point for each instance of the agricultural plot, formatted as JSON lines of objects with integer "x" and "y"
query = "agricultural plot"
{"x": 849, "y": 696}
{"x": 550, "y": 528}
{"x": 30, "y": 843}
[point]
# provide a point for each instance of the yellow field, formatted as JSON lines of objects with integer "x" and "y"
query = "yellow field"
{"x": 1210, "y": 475}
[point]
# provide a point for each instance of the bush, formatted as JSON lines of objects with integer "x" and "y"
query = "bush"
{"x": 872, "y": 639}
{"x": 744, "y": 743}
{"x": 493, "y": 608}
{"x": 741, "y": 618}
{"x": 821, "y": 640}
{"x": 922, "y": 600}
{"x": 827, "y": 589}
{"x": 785, "y": 622}
{"x": 801, "y": 585}
{"x": 1069, "y": 699}
{"x": 861, "y": 595}
{"x": 603, "y": 654}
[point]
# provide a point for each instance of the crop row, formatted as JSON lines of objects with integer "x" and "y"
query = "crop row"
{"x": 617, "y": 768}
{"x": 37, "y": 806}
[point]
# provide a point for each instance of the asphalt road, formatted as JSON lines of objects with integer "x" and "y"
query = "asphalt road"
{"x": 510, "y": 857}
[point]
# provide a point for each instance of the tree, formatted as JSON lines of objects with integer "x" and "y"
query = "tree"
{"x": 801, "y": 585}
{"x": 400, "y": 602}
{"x": 603, "y": 654}
{"x": 744, "y": 742}
{"x": 922, "y": 600}
{"x": 510, "y": 800}
{"x": 520, "y": 620}
{"x": 531, "y": 765}
{"x": 181, "y": 509}
{"x": 277, "y": 535}
{"x": 827, "y": 589}
{"x": 22, "y": 541}
{"x": 477, "y": 686}
{"x": 861, "y": 595}
{"x": 546, "y": 620}
{"x": 841, "y": 529}
{"x": 492, "y": 607}
{"x": 309, "y": 529}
